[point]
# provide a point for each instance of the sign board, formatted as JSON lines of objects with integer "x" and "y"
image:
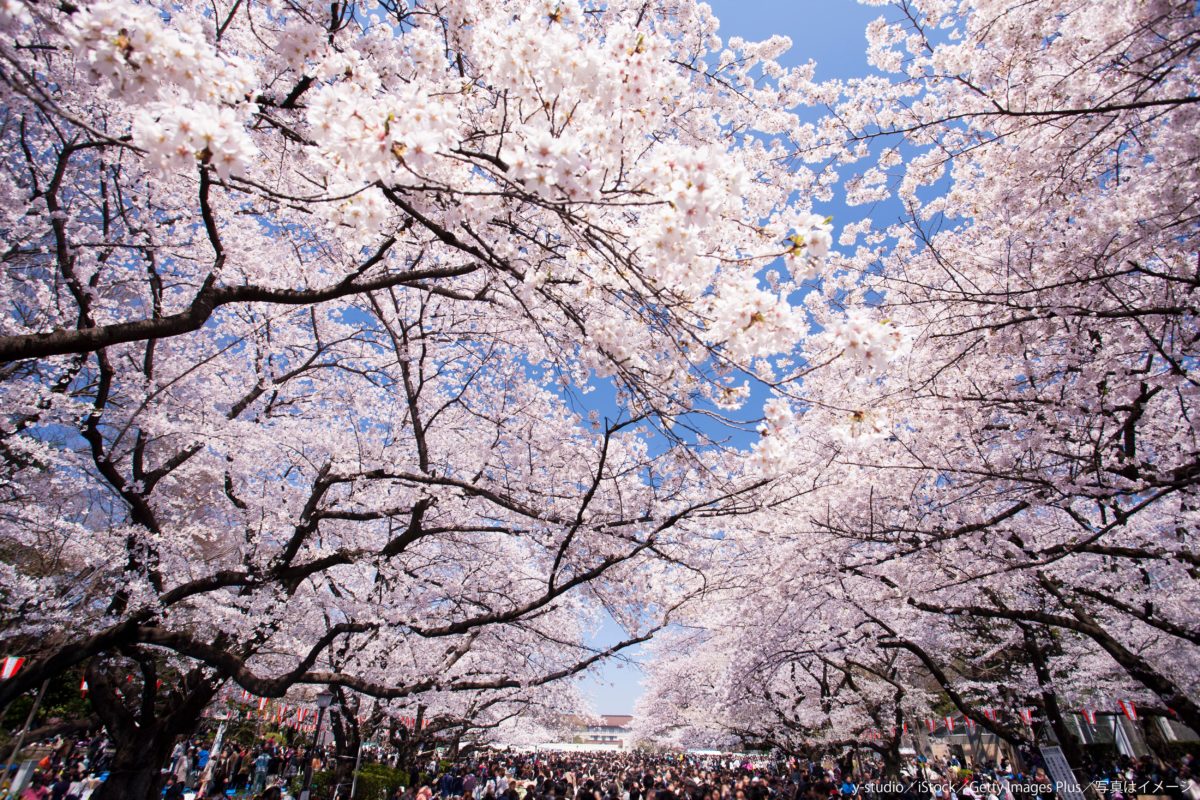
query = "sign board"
{"x": 1065, "y": 784}
{"x": 24, "y": 776}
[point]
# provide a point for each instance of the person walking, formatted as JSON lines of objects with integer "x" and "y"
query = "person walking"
{"x": 261, "y": 765}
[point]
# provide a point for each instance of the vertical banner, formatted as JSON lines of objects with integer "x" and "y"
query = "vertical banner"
{"x": 1065, "y": 784}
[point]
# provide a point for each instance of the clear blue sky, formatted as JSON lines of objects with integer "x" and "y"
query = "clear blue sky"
{"x": 831, "y": 33}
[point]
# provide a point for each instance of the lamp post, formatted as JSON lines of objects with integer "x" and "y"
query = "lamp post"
{"x": 323, "y": 701}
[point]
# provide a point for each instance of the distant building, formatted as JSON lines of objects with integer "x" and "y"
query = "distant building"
{"x": 611, "y": 730}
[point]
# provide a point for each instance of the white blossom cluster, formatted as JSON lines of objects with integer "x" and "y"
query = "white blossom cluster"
{"x": 393, "y": 137}
{"x": 141, "y": 58}
{"x": 191, "y": 99}
{"x": 748, "y": 321}
{"x": 810, "y": 244}
{"x": 866, "y": 339}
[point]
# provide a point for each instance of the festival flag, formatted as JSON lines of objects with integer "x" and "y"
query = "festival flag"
{"x": 990, "y": 713}
{"x": 949, "y": 724}
{"x": 1089, "y": 714}
{"x": 1027, "y": 716}
{"x": 970, "y": 724}
{"x": 11, "y": 665}
{"x": 1128, "y": 709}
{"x": 931, "y": 724}
{"x": 262, "y": 703}
{"x": 83, "y": 687}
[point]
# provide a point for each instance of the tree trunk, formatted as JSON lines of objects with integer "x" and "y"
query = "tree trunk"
{"x": 410, "y": 744}
{"x": 144, "y": 723}
{"x": 346, "y": 740}
{"x": 136, "y": 772}
{"x": 891, "y": 758}
{"x": 1066, "y": 740}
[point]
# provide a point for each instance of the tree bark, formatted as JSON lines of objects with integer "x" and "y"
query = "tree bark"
{"x": 346, "y": 740}
{"x": 1066, "y": 739}
{"x": 144, "y": 723}
{"x": 136, "y": 772}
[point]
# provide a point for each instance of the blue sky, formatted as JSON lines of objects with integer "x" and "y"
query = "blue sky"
{"x": 830, "y": 32}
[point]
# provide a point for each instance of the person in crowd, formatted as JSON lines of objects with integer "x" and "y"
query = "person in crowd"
{"x": 36, "y": 790}
{"x": 174, "y": 789}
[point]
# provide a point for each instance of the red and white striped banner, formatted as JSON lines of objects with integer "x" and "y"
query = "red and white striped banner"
{"x": 949, "y": 723}
{"x": 10, "y": 667}
{"x": 1089, "y": 714}
{"x": 1128, "y": 709}
{"x": 990, "y": 713}
{"x": 1026, "y": 716}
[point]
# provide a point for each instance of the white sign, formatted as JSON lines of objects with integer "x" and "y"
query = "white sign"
{"x": 24, "y": 776}
{"x": 1065, "y": 784}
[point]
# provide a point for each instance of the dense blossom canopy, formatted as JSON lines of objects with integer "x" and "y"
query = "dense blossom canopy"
{"x": 1005, "y": 491}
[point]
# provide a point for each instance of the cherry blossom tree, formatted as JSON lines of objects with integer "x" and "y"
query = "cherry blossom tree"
{"x": 794, "y": 664}
{"x": 348, "y": 528}
{"x": 416, "y": 726}
{"x": 1006, "y": 431}
{"x": 994, "y": 474}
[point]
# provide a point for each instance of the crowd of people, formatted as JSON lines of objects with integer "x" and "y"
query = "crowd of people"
{"x": 73, "y": 770}
{"x": 68, "y": 769}
{"x": 268, "y": 771}
{"x": 265, "y": 770}
{"x": 642, "y": 776}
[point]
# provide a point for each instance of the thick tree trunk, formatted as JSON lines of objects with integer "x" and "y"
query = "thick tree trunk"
{"x": 136, "y": 772}
{"x": 144, "y": 723}
{"x": 409, "y": 744}
{"x": 346, "y": 740}
{"x": 1041, "y": 668}
{"x": 891, "y": 758}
